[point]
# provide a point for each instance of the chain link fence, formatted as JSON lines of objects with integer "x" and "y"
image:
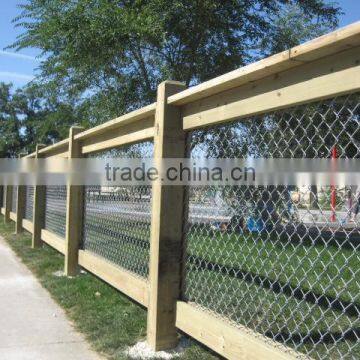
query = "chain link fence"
{"x": 273, "y": 258}
{"x": 14, "y": 199}
{"x": 29, "y": 202}
{"x": 117, "y": 219}
{"x": 55, "y": 210}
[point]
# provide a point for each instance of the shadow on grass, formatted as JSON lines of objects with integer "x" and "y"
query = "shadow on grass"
{"x": 324, "y": 301}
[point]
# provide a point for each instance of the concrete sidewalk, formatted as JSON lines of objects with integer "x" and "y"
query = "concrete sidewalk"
{"x": 32, "y": 325}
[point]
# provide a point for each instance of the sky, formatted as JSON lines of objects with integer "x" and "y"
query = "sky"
{"x": 20, "y": 67}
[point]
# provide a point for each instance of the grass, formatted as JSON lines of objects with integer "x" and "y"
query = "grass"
{"x": 303, "y": 326}
{"x": 234, "y": 275}
{"x": 124, "y": 242}
{"x": 111, "y": 322}
{"x": 321, "y": 268}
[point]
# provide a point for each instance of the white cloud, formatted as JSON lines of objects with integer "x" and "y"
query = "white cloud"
{"x": 18, "y": 55}
{"x": 7, "y": 75}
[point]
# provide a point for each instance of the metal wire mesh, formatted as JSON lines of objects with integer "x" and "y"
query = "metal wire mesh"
{"x": 117, "y": 219}
{"x": 55, "y": 210}
{"x": 14, "y": 199}
{"x": 29, "y": 202}
{"x": 272, "y": 258}
{"x": 2, "y": 196}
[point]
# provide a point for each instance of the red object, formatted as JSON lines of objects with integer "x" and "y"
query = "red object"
{"x": 333, "y": 191}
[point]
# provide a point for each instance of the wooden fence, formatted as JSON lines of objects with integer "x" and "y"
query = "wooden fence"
{"x": 320, "y": 69}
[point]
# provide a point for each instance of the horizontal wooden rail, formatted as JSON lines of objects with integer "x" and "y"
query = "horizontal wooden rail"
{"x": 52, "y": 150}
{"x": 63, "y": 155}
{"x": 326, "y": 45}
{"x": 131, "y": 285}
{"x": 328, "y": 77}
{"x": 2, "y": 210}
{"x": 12, "y": 216}
{"x": 138, "y": 136}
{"x": 227, "y": 340}
{"x": 55, "y": 241}
{"x": 29, "y": 156}
{"x": 28, "y": 225}
{"x": 56, "y": 148}
{"x": 123, "y": 120}
{"x": 140, "y": 115}
{"x": 129, "y": 134}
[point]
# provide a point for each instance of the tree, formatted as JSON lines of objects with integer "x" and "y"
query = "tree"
{"x": 47, "y": 116}
{"x": 114, "y": 53}
{"x": 10, "y": 124}
{"x": 293, "y": 26}
{"x": 29, "y": 116}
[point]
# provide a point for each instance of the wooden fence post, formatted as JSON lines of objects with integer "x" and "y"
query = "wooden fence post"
{"x": 20, "y": 210}
{"x": 39, "y": 208}
{"x": 74, "y": 211}
{"x": 7, "y": 202}
{"x": 166, "y": 225}
{"x": 2, "y": 196}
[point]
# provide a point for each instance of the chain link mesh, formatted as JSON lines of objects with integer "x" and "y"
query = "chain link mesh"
{"x": 29, "y": 202}
{"x": 14, "y": 199}
{"x": 271, "y": 258}
{"x": 55, "y": 210}
{"x": 117, "y": 219}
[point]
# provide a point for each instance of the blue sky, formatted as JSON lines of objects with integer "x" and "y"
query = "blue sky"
{"x": 19, "y": 68}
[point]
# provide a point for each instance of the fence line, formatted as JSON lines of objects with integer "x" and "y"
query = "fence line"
{"x": 259, "y": 290}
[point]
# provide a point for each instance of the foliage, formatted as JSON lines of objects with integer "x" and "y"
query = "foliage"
{"x": 102, "y": 58}
{"x": 29, "y": 116}
{"x": 9, "y": 123}
{"x": 114, "y": 53}
{"x": 294, "y": 26}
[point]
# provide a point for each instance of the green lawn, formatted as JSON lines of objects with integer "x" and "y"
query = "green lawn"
{"x": 323, "y": 269}
{"x": 124, "y": 242}
{"x": 232, "y": 274}
{"x": 111, "y": 322}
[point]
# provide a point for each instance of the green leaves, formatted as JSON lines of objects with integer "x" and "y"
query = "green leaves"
{"x": 10, "y": 105}
{"x": 128, "y": 47}
{"x": 30, "y": 115}
{"x": 106, "y": 57}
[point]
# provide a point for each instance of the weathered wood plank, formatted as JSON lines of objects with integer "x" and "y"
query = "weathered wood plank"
{"x": 74, "y": 211}
{"x": 123, "y": 120}
{"x": 237, "y": 343}
{"x": 20, "y": 212}
{"x": 39, "y": 208}
{"x": 325, "y": 78}
{"x": 166, "y": 225}
{"x": 58, "y": 147}
{"x": 12, "y": 216}
{"x": 28, "y": 225}
{"x": 55, "y": 241}
{"x": 129, "y": 284}
{"x": 326, "y": 45}
{"x": 116, "y": 141}
{"x": 7, "y": 202}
